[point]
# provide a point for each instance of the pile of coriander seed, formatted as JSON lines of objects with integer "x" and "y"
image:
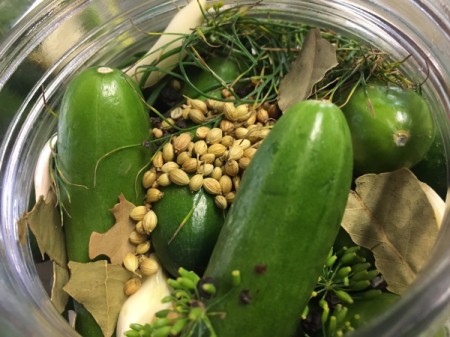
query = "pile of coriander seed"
{"x": 213, "y": 155}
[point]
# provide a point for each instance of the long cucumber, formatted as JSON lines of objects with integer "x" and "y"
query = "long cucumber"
{"x": 282, "y": 223}
{"x": 101, "y": 128}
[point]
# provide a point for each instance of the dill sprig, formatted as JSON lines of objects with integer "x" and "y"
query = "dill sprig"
{"x": 189, "y": 313}
{"x": 357, "y": 64}
{"x": 264, "y": 48}
{"x": 346, "y": 277}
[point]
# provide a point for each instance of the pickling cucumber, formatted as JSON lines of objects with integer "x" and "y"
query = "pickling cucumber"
{"x": 188, "y": 226}
{"x": 101, "y": 127}
{"x": 282, "y": 224}
{"x": 391, "y": 127}
{"x": 204, "y": 81}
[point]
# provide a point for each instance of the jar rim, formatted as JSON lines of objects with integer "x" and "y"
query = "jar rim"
{"x": 382, "y": 21}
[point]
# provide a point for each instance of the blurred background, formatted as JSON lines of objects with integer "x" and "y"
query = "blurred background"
{"x": 10, "y": 13}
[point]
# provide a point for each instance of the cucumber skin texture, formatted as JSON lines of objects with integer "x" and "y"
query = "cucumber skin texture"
{"x": 99, "y": 113}
{"x": 227, "y": 69}
{"x": 194, "y": 243}
{"x": 285, "y": 217}
{"x": 375, "y": 113}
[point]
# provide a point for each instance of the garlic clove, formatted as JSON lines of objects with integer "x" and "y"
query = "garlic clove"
{"x": 183, "y": 22}
{"x": 436, "y": 202}
{"x": 144, "y": 303}
{"x": 42, "y": 176}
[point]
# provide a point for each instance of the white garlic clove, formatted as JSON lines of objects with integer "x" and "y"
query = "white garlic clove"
{"x": 436, "y": 202}
{"x": 144, "y": 303}
{"x": 42, "y": 176}
{"x": 188, "y": 17}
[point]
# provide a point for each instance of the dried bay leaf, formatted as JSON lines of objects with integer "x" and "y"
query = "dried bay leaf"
{"x": 22, "y": 226}
{"x": 390, "y": 214}
{"x": 316, "y": 57}
{"x": 44, "y": 220}
{"x": 98, "y": 286}
{"x": 436, "y": 202}
{"x": 114, "y": 243}
{"x": 59, "y": 297}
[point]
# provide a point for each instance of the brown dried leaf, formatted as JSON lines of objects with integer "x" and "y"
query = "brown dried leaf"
{"x": 44, "y": 221}
{"x": 114, "y": 243}
{"x": 315, "y": 59}
{"x": 98, "y": 286}
{"x": 390, "y": 214}
{"x": 22, "y": 225}
{"x": 59, "y": 297}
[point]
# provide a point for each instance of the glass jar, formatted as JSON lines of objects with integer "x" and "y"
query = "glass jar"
{"x": 55, "y": 39}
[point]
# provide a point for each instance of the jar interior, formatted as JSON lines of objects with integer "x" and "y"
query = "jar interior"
{"x": 95, "y": 33}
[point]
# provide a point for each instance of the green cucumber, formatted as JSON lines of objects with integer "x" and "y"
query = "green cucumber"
{"x": 282, "y": 224}
{"x": 224, "y": 68}
{"x": 188, "y": 226}
{"x": 101, "y": 127}
{"x": 391, "y": 127}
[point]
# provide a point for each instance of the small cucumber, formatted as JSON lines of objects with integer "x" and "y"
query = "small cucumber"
{"x": 224, "y": 68}
{"x": 102, "y": 124}
{"x": 391, "y": 127}
{"x": 188, "y": 226}
{"x": 283, "y": 222}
